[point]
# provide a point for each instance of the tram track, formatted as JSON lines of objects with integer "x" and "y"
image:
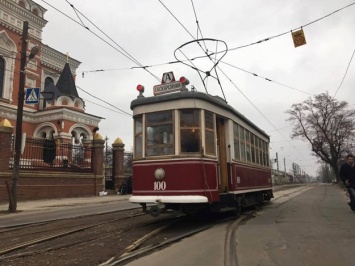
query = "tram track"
{"x": 109, "y": 241}
{"x": 46, "y": 237}
{"x": 178, "y": 232}
{"x": 121, "y": 229}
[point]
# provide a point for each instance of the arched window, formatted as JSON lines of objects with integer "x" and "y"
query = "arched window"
{"x": 22, "y": 4}
{"x": 48, "y": 81}
{"x": 83, "y": 137}
{"x": 35, "y": 11}
{"x": 2, "y": 75}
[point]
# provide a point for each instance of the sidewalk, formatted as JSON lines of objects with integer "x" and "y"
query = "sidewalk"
{"x": 36, "y": 205}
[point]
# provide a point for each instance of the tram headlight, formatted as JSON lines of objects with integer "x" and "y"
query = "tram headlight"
{"x": 159, "y": 174}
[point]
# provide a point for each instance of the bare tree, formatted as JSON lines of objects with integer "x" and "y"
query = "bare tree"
{"x": 327, "y": 124}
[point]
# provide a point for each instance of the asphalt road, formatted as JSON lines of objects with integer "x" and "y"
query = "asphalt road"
{"x": 306, "y": 225}
{"x": 315, "y": 227}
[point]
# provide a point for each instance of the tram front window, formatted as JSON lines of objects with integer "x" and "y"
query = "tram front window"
{"x": 190, "y": 130}
{"x": 159, "y": 134}
{"x": 190, "y": 141}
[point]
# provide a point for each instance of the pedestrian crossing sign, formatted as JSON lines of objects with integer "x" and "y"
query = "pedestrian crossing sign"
{"x": 32, "y": 95}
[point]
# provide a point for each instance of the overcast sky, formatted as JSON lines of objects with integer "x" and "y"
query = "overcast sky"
{"x": 151, "y": 30}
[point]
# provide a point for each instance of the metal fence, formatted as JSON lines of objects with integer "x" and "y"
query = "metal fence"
{"x": 47, "y": 154}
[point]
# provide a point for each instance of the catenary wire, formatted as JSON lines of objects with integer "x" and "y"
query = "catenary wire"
{"x": 99, "y": 37}
{"x": 237, "y": 86}
{"x": 287, "y": 32}
{"x": 129, "y": 55}
{"x": 267, "y": 79}
{"x": 57, "y": 74}
{"x": 341, "y": 83}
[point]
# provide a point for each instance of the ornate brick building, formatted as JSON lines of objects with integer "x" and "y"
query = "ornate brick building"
{"x": 60, "y": 113}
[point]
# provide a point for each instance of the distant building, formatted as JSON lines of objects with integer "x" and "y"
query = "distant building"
{"x": 60, "y": 113}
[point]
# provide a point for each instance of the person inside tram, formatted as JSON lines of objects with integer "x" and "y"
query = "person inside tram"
{"x": 190, "y": 141}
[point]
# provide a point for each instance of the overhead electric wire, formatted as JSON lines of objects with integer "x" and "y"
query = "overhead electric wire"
{"x": 129, "y": 55}
{"x": 288, "y": 141}
{"x": 237, "y": 87}
{"x": 86, "y": 100}
{"x": 288, "y": 32}
{"x": 351, "y": 58}
{"x": 58, "y": 74}
{"x": 267, "y": 79}
{"x": 231, "y": 49}
{"x": 104, "y": 101}
{"x": 99, "y": 38}
{"x": 198, "y": 25}
{"x": 176, "y": 19}
{"x": 77, "y": 14}
{"x": 205, "y": 51}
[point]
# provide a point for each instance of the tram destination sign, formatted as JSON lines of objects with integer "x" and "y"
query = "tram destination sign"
{"x": 167, "y": 88}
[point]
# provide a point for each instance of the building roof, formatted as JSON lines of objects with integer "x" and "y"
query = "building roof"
{"x": 66, "y": 83}
{"x": 51, "y": 92}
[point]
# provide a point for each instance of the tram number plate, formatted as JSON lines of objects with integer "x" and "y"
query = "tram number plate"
{"x": 159, "y": 185}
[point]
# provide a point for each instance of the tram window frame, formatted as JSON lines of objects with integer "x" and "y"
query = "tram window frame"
{"x": 138, "y": 136}
{"x": 236, "y": 141}
{"x": 252, "y": 146}
{"x": 159, "y": 133}
{"x": 190, "y": 131}
{"x": 260, "y": 148}
{"x": 210, "y": 147}
{"x": 267, "y": 161}
{"x": 242, "y": 143}
{"x": 257, "y": 158}
{"x": 247, "y": 145}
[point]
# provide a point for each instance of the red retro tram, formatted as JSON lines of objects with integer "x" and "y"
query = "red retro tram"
{"x": 193, "y": 151}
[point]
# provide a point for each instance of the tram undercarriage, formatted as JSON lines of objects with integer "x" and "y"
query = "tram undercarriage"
{"x": 229, "y": 202}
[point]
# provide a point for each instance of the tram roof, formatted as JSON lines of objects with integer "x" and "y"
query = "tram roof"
{"x": 215, "y": 100}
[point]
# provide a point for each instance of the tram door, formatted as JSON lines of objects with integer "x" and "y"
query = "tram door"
{"x": 222, "y": 155}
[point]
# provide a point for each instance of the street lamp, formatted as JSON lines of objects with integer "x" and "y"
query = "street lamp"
{"x": 21, "y": 97}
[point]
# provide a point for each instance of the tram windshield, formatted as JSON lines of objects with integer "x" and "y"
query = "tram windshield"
{"x": 190, "y": 130}
{"x": 159, "y": 134}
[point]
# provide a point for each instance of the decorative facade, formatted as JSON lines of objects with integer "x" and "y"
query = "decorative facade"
{"x": 60, "y": 112}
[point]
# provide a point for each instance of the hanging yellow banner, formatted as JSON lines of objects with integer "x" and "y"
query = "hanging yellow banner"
{"x": 298, "y": 38}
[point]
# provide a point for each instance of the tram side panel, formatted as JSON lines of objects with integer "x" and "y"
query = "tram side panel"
{"x": 248, "y": 177}
{"x": 181, "y": 178}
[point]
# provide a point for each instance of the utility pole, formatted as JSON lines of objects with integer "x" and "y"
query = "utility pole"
{"x": 18, "y": 136}
{"x": 285, "y": 168}
{"x": 277, "y": 164}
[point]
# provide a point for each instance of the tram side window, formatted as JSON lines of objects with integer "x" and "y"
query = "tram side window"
{"x": 242, "y": 143}
{"x": 236, "y": 141}
{"x": 190, "y": 137}
{"x": 252, "y": 147}
{"x": 266, "y": 154}
{"x": 257, "y": 149}
{"x": 209, "y": 132}
{"x": 247, "y": 140}
{"x": 138, "y": 136}
{"x": 261, "y": 152}
{"x": 159, "y": 134}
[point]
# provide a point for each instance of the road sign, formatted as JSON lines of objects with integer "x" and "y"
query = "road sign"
{"x": 32, "y": 95}
{"x": 298, "y": 38}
